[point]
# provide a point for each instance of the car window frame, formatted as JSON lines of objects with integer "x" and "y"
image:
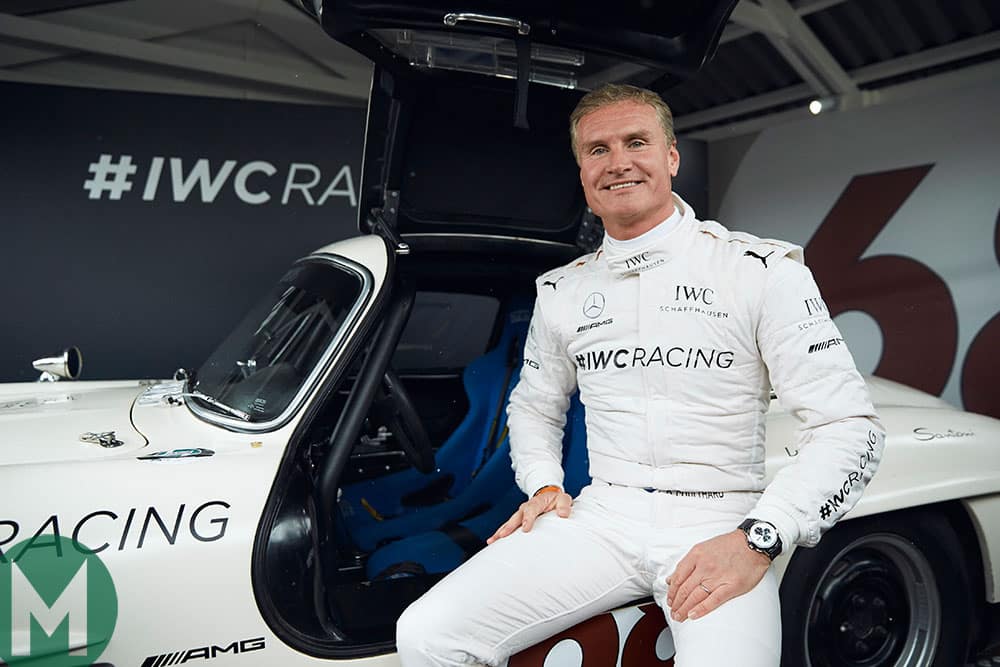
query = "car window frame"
{"x": 312, "y": 381}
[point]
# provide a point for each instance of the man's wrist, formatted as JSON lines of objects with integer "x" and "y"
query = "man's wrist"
{"x": 546, "y": 489}
{"x": 762, "y": 537}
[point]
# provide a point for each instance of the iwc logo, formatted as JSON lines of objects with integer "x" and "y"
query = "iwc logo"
{"x": 593, "y": 307}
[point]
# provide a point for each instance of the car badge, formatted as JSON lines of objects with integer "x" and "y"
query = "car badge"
{"x": 594, "y": 305}
{"x": 190, "y": 453}
{"x": 104, "y": 439}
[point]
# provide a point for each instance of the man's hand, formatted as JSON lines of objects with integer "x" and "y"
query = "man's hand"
{"x": 533, "y": 508}
{"x": 724, "y": 565}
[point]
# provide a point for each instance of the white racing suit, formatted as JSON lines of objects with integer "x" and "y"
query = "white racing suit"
{"x": 675, "y": 340}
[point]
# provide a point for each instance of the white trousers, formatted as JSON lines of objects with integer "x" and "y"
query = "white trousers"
{"x": 619, "y": 544}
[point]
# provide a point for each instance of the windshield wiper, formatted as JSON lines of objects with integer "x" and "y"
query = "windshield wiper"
{"x": 214, "y": 402}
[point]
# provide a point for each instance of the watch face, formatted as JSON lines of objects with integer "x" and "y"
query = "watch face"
{"x": 763, "y": 535}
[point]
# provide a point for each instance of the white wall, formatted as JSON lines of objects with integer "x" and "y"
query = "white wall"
{"x": 790, "y": 177}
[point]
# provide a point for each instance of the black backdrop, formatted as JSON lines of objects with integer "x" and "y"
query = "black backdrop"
{"x": 146, "y": 283}
{"x": 155, "y": 278}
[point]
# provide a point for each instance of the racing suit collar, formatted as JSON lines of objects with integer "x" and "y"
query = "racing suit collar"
{"x": 649, "y": 250}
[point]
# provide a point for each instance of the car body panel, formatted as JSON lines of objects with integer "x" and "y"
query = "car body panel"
{"x": 44, "y": 422}
{"x": 675, "y": 36}
{"x": 985, "y": 514}
{"x": 176, "y": 534}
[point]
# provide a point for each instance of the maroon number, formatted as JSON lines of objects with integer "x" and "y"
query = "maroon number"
{"x": 911, "y": 303}
{"x": 597, "y": 638}
{"x": 982, "y": 362}
{"x": 640, "y": 646}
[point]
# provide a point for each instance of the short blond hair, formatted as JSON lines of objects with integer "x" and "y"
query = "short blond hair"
{"x": 612, "y": 93}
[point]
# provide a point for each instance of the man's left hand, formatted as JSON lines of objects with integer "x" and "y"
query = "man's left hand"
{"x": 724, "y": 565}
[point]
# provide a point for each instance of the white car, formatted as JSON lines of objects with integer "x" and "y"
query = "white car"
{"x": 346, "y": 445}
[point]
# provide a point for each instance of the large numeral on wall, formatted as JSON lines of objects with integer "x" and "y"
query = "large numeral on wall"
{"x": 981, "y": 370}
{"x": 910, "y": 302}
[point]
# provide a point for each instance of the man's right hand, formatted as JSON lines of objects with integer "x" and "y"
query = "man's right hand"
{"x": 529, "y": 511}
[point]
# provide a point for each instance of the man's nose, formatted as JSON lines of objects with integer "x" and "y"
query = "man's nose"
{"x": 620, "y": 161}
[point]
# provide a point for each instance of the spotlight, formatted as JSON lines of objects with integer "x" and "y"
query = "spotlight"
{"x": 818, "y": 106}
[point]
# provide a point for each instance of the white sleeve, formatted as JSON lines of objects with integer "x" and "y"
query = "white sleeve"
{"x": 537, "y": 408}
{"x": 840, "y": 438}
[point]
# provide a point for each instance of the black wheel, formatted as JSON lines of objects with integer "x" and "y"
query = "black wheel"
{"x": 882, "y": 591}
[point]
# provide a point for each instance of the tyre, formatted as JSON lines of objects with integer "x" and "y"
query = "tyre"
{"x": 883, "y": 591}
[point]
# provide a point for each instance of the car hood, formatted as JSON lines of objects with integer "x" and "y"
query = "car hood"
{"x": 48, "y": 422}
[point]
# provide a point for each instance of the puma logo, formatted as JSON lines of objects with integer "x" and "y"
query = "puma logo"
{"x": 751, "y": 253}
{"x": 553, "y": 284}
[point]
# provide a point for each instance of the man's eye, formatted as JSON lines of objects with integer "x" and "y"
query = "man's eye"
{"x": 637, "y": 143}
{"x": 598, "y": 150}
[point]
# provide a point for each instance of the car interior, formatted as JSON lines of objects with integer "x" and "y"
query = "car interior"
{"x": 427, "y": 477}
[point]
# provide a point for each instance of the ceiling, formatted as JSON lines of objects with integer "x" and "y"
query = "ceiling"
{"x": 774, "y": 58}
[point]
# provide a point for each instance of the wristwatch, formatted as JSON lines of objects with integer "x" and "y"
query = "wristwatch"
{"x": 762, "y": 536}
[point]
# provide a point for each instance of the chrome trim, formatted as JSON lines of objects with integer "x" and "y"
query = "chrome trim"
{"x": 211, "y": 400}
{"x": 66, "y": 366}
{"x": 452, "y": 19}
{"x": 320, "y": 369}
{"x": 495, "y": 237}
{"x": 103, "y": 438}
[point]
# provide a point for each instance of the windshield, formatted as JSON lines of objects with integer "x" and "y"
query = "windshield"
{"x": 282, "y": 346}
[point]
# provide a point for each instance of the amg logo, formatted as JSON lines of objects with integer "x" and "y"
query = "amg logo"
{"x": 640, "y": 357}
{"x": 633, "y": 262}
{"x": 203, "y": 653}
{"x": 594, "y": 325}
{"x": 819, "y": 347}
{"x": 704, "y": 294}
{"x": 815, "y": 305}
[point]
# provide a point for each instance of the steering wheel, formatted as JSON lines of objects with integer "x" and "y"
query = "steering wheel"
{"x": 406, "y": 425}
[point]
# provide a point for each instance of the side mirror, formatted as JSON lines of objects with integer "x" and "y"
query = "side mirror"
{"x": 67, "y": 366}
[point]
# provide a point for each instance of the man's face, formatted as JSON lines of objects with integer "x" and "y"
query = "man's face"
{"x": 625, "y": 167}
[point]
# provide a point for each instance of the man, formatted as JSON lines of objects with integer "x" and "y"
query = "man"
{"x": 675, "y": 331}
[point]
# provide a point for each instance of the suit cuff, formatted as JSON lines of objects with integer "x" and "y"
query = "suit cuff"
{"x": 542, "y": 475}
{"x": 788, "y": 527}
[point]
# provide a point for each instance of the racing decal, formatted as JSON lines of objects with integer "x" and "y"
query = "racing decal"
{"x": 133, "y": 529}
{"x": 706, "y": 295}
{"x": 825, "y": 345}
{"x": 762, "y": 258}
{"x": 855, "y": 477}
{"x": 809, "y": 324}
{"x": 552, "y": 283}
{"x": 815, "y": 305}
{"x": 697, "y": 310}
{"x": 640, "y": 357}
{"x": 594, "y": 325}
{"x": 204, "y": 652}
{"x": 925, "y": 434}
{"x": 194, "y": 452}
{"x": 593, "y": 307}
{"x": 633, "y": 637}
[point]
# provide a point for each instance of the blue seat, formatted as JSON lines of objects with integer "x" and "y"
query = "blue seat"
{"x": 442, "y": 548}
{"x": 464, "y": 456}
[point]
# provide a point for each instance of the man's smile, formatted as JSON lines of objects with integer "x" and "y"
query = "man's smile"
{"x": 622, "y": 185}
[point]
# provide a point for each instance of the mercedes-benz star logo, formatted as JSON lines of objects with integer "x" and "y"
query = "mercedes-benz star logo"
{"x": 594, "y": 305}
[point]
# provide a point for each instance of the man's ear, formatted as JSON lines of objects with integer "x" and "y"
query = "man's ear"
{"x": 674, "y": 160}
